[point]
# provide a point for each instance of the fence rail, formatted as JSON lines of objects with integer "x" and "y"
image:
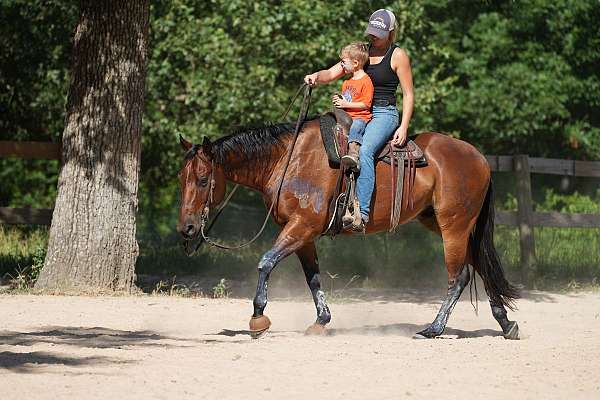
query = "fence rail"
{"x": 29, "y": 151}
{"x": 521, "y": 165}
{"x": 553, "y": 166}
{"x": 25, "y": 216}
{"x": 524, "y": 218}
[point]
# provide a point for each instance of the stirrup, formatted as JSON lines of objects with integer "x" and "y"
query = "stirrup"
{"x": 358, "y": 227}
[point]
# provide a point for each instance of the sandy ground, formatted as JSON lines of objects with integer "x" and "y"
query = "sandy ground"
{"x": 151, "y": 347}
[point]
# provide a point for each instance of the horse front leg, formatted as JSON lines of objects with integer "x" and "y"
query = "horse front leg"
{"x": 310, "y": 264}
{"x": 292, "y": 237}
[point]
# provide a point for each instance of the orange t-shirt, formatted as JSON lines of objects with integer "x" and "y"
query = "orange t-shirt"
{"x": 360, "y": 90}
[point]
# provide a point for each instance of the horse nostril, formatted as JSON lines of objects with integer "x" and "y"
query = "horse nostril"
{"x": 189, "y": 229}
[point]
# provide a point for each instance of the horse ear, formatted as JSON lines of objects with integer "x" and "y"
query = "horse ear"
{"x": 207, "y": 146}
{"x": 184, "y": 143}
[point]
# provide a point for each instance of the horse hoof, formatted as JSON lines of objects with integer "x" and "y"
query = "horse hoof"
{"x": 418, "y": 336}
{"x": 512, "y": 332}
{"x": 259, "y": 326}
{"x": 426, "y": 334}
{"x": 259, "y": 334}
{"x": 315, "y": 329}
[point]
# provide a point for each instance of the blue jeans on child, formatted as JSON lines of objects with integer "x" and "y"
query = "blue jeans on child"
{"x": 378, "y": 131}
{"x": 357, "y": 129}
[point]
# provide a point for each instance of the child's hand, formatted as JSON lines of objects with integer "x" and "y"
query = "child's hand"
{"x": 339, "y": 102}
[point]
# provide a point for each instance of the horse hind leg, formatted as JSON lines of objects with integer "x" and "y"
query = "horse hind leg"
{"x": 486, "y": 262}
{"x": 455, "y": 257}
{"x": 455, "y": 289}
{"x": 510, "y": 329}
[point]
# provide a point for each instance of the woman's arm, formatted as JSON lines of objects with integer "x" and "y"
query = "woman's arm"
{"x": 401, "y": 65}
{"x": 324, "y": 76}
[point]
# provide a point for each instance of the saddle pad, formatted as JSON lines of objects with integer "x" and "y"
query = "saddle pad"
{"x": 328, "y": 122}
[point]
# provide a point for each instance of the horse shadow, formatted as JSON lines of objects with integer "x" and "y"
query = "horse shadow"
{"x": 399, "y": 329}
{"x": 409, "y": 330}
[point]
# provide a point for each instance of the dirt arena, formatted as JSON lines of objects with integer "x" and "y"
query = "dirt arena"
{"x": 152, "y": 347}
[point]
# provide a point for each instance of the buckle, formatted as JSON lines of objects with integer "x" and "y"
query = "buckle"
{"x": 382, "y": 103}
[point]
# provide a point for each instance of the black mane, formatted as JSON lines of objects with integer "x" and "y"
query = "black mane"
{"x": 252, "y": 144}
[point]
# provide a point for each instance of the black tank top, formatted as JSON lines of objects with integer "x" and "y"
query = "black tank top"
{"x": 385, "y": 80}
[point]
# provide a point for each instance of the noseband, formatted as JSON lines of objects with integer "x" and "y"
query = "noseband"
{"x": 210, "y": 198}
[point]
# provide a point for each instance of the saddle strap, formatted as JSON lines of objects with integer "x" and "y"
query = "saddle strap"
{"x": 337, "y": 210}
{"x": 412, "y": 171}
{"x": 397, "y": 189}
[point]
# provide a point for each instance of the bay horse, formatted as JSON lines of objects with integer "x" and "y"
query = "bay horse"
{"x": 452, "y": 196}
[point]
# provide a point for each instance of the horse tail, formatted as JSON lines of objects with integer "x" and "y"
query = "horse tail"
{"x": 485, "y": 258}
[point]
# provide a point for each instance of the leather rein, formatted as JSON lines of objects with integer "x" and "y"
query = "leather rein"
{"x": 304, "y": 106}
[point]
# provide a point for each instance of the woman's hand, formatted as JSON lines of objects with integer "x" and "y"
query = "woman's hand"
{"x": 339, "y": 102}
{"x": 311, "y": 79}
{"x": 400, "y": 136}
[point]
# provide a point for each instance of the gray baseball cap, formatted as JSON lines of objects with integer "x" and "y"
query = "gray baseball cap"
{"x": 381, "y": 23}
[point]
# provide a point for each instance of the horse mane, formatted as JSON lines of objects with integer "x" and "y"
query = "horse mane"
{"x": 252, "y": 144}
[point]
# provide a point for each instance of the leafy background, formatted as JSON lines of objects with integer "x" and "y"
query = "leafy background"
{"x": 507, "y": 76}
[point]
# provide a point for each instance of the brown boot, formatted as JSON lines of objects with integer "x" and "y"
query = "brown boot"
{"x": 351, "y": 159}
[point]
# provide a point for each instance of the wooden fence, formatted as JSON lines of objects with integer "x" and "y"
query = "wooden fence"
{"x": 521, "y": 165}
{"x": 524, "y": 218}
{"x": 28, "y": 150}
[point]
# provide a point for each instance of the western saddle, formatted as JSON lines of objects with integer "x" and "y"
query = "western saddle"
{"x": 334, "y": 132}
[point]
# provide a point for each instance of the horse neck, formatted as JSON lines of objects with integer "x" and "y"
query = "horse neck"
{"x": 253, "y": 175}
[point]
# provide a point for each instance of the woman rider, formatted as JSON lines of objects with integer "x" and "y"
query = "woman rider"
{"x": 388, "y": 65}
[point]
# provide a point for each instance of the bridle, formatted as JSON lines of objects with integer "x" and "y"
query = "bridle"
{"x": 210, "y": 197}
{"x": 204, "y": 217}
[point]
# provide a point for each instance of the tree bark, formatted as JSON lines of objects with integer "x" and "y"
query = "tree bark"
{"x": 92, "y": 242}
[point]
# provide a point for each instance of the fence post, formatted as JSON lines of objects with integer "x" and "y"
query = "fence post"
{"x": 525, "y": 218}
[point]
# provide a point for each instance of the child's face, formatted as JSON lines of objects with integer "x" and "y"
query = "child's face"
{"x": 349, "y": 65}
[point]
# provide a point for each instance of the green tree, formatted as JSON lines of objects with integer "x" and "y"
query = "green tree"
{"x": 527, "y": 75}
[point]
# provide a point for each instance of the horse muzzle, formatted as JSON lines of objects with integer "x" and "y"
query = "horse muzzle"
{"x": 189, "y": 228}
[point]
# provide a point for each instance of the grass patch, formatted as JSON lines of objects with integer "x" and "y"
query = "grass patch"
{"x": 22, "y": 254}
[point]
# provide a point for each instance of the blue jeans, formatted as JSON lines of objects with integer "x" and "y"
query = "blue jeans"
{"x": 357, "y": 129}
{"x": 378, "y": 131}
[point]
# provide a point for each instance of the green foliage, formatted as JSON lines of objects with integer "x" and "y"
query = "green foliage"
{"x": 34, "y": 54}
{"x": 35, "y": 41}
{"x": 507, "y": 76}
{"x": 22, "y": 255}
{"x": 527, "y": 76}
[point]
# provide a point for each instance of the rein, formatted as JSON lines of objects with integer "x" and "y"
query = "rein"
{"x": 205, "y": 213}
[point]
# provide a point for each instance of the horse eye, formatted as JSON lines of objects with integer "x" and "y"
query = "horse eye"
{"x": 203, "y": 181}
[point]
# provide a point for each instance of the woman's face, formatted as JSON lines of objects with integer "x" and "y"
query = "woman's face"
{"x": 377, "y": 42}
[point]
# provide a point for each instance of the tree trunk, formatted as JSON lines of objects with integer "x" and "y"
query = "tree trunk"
{"x": 92, "y": 241}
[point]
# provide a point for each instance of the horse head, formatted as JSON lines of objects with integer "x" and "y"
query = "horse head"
{"x": 202, "y": 187}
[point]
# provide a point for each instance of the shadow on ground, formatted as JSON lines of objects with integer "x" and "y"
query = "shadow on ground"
{"x": 97, "y": 337}
{"x": 402, "y": 329}
{"x": 409, "y": 330}
{"x": 31, "y": 362}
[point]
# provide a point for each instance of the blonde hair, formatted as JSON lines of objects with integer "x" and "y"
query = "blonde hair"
{"x": 356, "y": 51}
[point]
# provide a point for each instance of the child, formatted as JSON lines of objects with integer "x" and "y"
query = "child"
{"x": 356, "y": 98}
